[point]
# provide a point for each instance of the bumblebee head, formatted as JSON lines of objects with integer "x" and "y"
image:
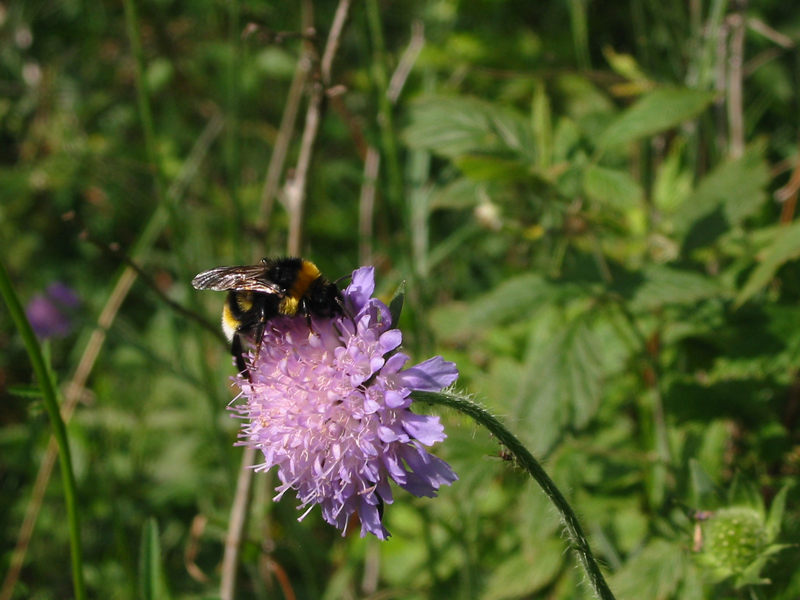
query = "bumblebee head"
{"x": 324, "y": 299}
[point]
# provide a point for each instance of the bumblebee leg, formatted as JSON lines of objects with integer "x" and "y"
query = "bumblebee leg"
{"x": 346, "y": 312}
{"x": 258, "y": 337}
{"x": 304, "y": 310}
{"x": 238, "y": 353}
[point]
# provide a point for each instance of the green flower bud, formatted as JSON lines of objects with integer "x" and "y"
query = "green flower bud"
{"x": 734, "y": 538}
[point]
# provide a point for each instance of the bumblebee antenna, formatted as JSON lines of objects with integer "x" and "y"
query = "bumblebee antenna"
{"x": 342, "y": 278}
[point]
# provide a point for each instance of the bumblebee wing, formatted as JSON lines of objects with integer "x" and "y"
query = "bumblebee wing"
{"x": 236, "y": 278}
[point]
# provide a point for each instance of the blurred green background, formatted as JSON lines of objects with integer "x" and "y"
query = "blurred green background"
{"x": 592, "y": 205}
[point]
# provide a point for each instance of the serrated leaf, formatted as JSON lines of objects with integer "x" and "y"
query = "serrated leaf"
{"x": 459, "y": 194}
{"x": 522, "y": 575}
{"x": 786, "y": 247}
{"x": 612, "y": 188}
{"x": 733, "y": 191}
{"x": 456, "y": 126}
{"x": 664, "y": 286}
{"x": 659, "y": 110}
{"x": 563, "y": 377}
{"x": 514, "y": 299}
{"x": 655, "y": 573}
{"x": 692, "y": 584}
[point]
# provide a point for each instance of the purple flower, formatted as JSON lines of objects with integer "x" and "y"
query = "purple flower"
{"x": 49, "y": 313}
{"x": 330, "y": 406}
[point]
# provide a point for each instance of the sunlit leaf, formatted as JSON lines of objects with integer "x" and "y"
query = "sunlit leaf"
{"x": 655, "y": 573}
{"x": 659, "y": 110}
{"x": 563, "y": 376}
{"x": 521, "y": 574}
{"x": 786, "y": 247}
{"x": 542, "y": 126}
{"x": 487, "y": 167}
{"x": 704, "y": 492}
{"x": 732, "y": 192}
{"x": 775, "y": 514}
{"x": 515, "y": 299}
{"x": 673, "y": 181}
{"x": 663, "y": 285}
{"x": 611, "y": 187}
{"x": 456, "y": 126}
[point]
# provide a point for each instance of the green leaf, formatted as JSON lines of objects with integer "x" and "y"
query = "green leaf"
{"x": 752, "y": 574}
{"x": 733, "y": 191}
{"x": 775, "y": 515}
{"x": 486, "y": 167}
{"x": 612, "y": 188}
{"x": 515, "y": 299}
{"x": 151, "y": 582}
{"x": 563, "y": 376}
{"x": 566, "y": 139}
{"x": 664, "y": 286}
{"x": 655, "y": 573}
{"x": 674, "y": 180}
{"x": 704, "y": 493}
{"x": 625, "y": 65}
{"x": 714, "y": 441}
{"x": 462, "y": 193}
{"x": 521, "y": 574}
{"x": 29, "y": 392}
{"x": 542, "y": 126}
{"x": 784, "y": 248}
{"x": 456, "y": 126}
{"x": 396, "y": 303}
{"x": 743, "y": 492}
{"x": 659, "y": 110}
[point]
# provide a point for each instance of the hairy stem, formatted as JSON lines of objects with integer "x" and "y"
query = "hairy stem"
{"x": 525, "y": 459}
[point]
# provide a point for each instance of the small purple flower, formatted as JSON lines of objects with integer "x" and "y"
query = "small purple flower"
{"x": 49, "y": 313}
{"x": 330, "y": 406}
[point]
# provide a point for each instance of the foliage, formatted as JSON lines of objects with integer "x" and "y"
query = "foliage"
{"x": 594, "y": 214}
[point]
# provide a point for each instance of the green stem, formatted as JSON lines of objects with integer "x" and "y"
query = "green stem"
{"x": 385, "y": 116}
{"x": 143, "y": 99}
{"x": 232, "y": 92}
{"x": 526, "y": 460}
{"x": 50, "y": 396}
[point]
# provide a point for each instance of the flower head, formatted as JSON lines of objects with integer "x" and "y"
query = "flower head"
{"x": 330, "y": 406}
{"x": 49, "y": 313}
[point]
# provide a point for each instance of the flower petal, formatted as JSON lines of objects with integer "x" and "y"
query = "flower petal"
{"x": 425, "y": 428}
{"x": 361, "y": 287}
{"x": 390, "y": 340}
{"x": 430, "y": 376}
{"x": 397, "y": 398}
{"x": 394, "y": 364}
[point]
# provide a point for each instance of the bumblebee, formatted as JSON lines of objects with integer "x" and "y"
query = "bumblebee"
{"x": 274, "y": 287}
